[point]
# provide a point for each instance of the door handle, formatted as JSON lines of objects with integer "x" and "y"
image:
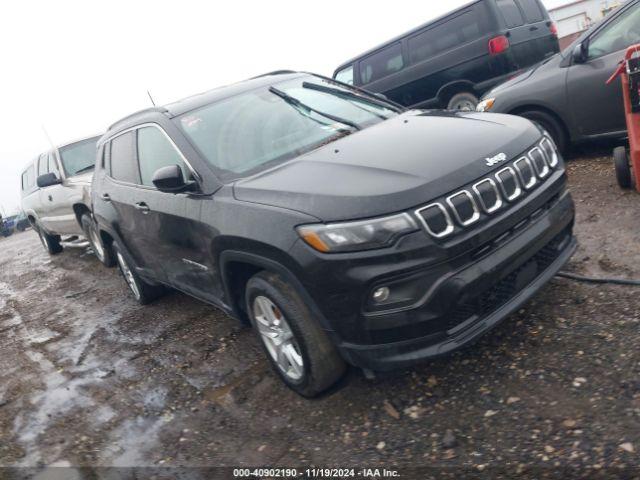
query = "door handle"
{"x": 143, "y": 207}
{"x": 105, "y": 197}
{"x": 50, "y": 198}
{"x": 533, "y": 29}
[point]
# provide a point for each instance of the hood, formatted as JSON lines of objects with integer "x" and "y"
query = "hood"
{"x": 551, "y": 62}
{"x": 84, "y": 178}
{"x": 395, "y": 165}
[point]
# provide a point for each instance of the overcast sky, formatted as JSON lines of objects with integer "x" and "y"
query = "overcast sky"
{"x": 77, "y": 66}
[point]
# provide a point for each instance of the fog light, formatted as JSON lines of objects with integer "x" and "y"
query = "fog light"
{"x": 381, "y": 294}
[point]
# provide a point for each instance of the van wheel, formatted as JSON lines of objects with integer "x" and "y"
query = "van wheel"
{"x": 465, "y": 102}
{"x": 623, "y": 170}
{"x": 51, "y": 243}
{"x": 143, "y": 292}
{"x": 549, "y": 124}
{"x": 102, "y": 251}
{"x": 297, "y": 347}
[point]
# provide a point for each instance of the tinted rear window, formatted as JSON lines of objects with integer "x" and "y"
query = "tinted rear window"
{"x": 511, "y": 13}
{"x": 532, "y": 11}
{"x": 382, "y": 63}
{"x": 124, "y": 166}
{"x": 459, "y": 30}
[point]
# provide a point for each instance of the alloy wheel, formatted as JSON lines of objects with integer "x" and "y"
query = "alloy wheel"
{"x": 278, "y": 338}
{"x": 128, "y": 276}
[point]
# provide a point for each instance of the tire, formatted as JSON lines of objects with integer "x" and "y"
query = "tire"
{"x": 551, "y": 125}
{"x": 464, "y": 101}
{"x": 103, "y": 252}
{"x": 310, "y": 363}
{"x": 51, "y": 243}
{"x": 142, "y": 291}
{"x": 623, "y": 170}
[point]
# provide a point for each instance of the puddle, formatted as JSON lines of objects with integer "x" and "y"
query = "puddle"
{"x": 131, "y": 441}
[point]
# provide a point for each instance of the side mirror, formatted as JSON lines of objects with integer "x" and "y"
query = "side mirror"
{"x": 580, "y": 53}
{"x": 47, "y": 180}
{"x": 170, "y": 180}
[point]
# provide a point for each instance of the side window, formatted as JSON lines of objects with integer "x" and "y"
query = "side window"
{"x": 619, "y": 34}
{"x": 43, "y": 164}
{"x": 458, "y": 30}
{"x": 53, "y": 166}
{"x": 532, "y": 11}
{"x": 511, "y": 13}
{"x": 154, "y": 152}
{"x": 380, "y": 64}
{"x": 28, "y": 179}
{"x": 123, "y": 158}
{"x": 345, "y": 75}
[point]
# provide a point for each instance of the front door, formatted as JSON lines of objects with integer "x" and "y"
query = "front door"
{"x": 598, "y": 108}
{"x": 171, "y": 231}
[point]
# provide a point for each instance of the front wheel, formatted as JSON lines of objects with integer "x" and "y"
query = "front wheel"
{"x": 51, "y": 243}
{"x": 299, "y": 350}
{"x": 103, "y": 252}
{"x": 550, "y": 125}
{"x": 142, "y": 291}
{"x": 623, "y": 170}
{"x": 465, "y": 102}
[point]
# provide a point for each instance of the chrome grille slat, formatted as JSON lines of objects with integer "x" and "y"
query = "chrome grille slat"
{"x": 542, "y": 170}
{"x": 497, "y": 204}
{"x": 517, "y": 190}
{"x": 533, "y": 180}
{"x": 476, "y": 213}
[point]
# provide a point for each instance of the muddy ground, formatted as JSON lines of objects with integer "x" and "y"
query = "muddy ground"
{"x": 88, "y": 377}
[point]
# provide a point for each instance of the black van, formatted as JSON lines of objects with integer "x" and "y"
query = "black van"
{"x": 451, "y": 61}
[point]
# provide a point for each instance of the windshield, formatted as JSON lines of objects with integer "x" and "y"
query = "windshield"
{"x": 79, "y": 157}
{"x": 251, "y": 131}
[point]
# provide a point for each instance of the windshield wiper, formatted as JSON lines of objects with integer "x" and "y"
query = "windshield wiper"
{"x": 350, "y": 95}
{"x": 298, "y": 104}
{"x": 85, "y": 169}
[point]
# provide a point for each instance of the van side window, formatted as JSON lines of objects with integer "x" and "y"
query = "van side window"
{"x": 123, "y": 158}
{"x": 510, "y": 12}
{"x": 532, "y": 11}
{"x": 382, "y": 63}
{"x": 28, "y": 179}
{"x": 456, "y": 31}
{"x": 345, "y": 75}
{"x": 154, "y": 152}
{"x": 43, "y": 164}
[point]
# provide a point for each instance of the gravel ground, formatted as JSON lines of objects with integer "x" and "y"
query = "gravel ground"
{"x": 88, "y": 377}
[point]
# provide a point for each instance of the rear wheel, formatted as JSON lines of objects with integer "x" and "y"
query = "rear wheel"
{"x": 623, "y": 169}
{"x": 51, "y": 243}
{"x": 299, "y": 350}
{"x": 550, "y": 125}
{"x": 464, "y": 101}
{"x": 142, "y": 291}
{"x": 102, "y": 251}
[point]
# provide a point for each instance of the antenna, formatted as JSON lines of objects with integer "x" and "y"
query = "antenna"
{"x": 46, "y": 134}
{"x": 151, "y": 98}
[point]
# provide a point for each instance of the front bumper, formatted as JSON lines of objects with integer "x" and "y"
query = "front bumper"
{"x": 474, "y": 298}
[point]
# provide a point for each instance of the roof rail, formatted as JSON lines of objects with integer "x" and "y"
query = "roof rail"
{"x": 139, "y": 112}
{"x": 275, "y": 72}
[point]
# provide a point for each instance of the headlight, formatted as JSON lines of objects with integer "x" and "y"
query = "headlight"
{"x": 354, "y": 236}
{"x": 485, "y": 105}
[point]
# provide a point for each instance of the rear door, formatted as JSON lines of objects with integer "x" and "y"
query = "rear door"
{"x": 598, "y": 108}
{"x": 528, "y": 28}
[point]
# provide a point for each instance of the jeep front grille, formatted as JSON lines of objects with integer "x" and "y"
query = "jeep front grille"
{"x": 491, "y": 194}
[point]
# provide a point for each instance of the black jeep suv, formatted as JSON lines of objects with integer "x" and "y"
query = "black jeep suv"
{"x": 344, "y": 228}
